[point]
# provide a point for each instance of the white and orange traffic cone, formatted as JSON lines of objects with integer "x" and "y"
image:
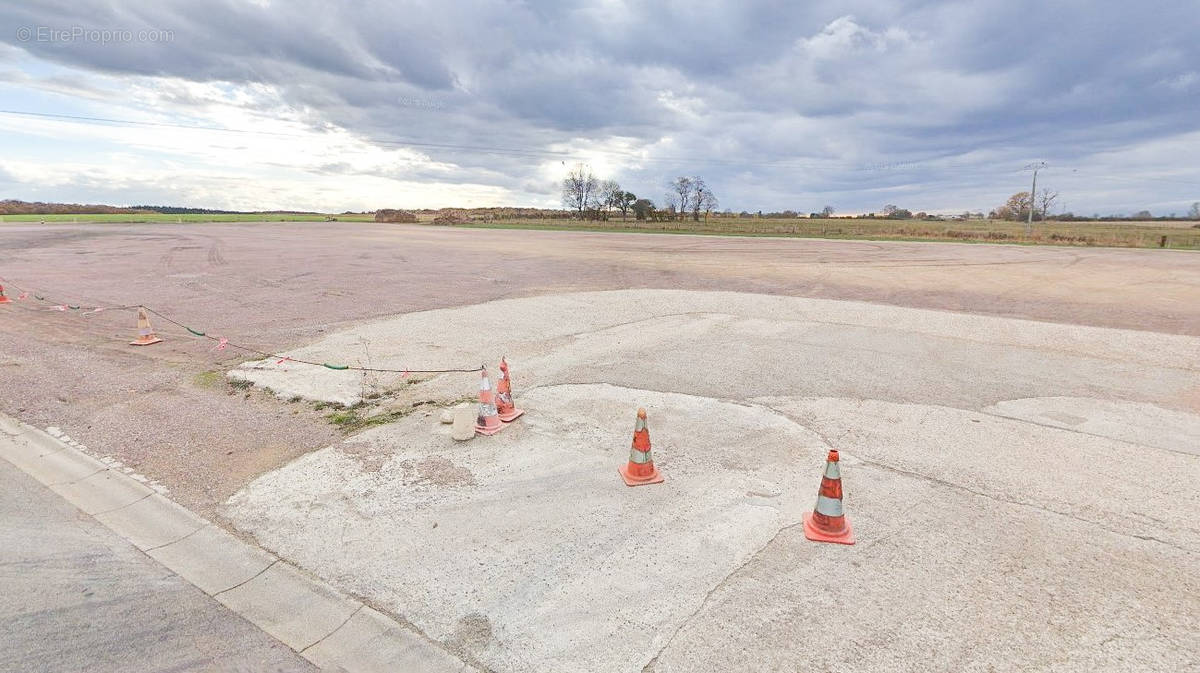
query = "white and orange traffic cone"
{"x": 4, "y": 299}
{"x": 488, "y": 422}
{"x": 146, "y": 335}
{"x": 827, "y": 522}
{"x": 504, "y": 402}
{"x": 640, "y": 469}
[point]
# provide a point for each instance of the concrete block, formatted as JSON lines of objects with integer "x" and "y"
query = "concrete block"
{"x": 102, "y": 492}
{"x": 372, "y": 643}
{"x": 464, "y": 424}
{"x": 152, "y": 522}
{"x": 212, "y": 559}
{"x": 290, "y": 606}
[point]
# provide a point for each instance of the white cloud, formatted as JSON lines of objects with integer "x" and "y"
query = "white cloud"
{"x": 775, "y": 105}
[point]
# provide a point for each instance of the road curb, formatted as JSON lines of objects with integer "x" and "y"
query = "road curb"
{"x": 332, "y": 630}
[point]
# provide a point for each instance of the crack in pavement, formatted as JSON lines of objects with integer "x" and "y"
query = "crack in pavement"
{"x": 997, "y": 498}
{"x": 649, "y": 667}
{"x": 1079, "y": 432}
{"x": 335, "y": 630}
{"x": 249, "y": 579}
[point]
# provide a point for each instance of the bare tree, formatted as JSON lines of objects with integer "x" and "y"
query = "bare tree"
{"x": 707, "y": 202}
{"x": 699, "y": 189}
{"x": 680, "y": 195}
{"x": 580, "y": 190}
{"x": 1046, "y": 199}
{"x": 1194, "y": 212}
{"x": 827, "y": 211}
{"x": 609, "y": 195}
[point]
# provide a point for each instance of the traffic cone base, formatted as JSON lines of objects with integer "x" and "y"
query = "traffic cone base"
{"x": 3, "y": 297}
{"x": 145, "y": 341}
{"x": 813, "y": 533}
{"x": 489, "y": 431}
{"x": 511, "y": 416}
{"x": 655, "y": 477}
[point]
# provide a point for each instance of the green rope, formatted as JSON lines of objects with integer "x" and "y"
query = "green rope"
{"x": 39, "y": 297}
{"x": 73, "y": 308}
{"x": 196, "y": 332}
{"x": 338, "y": 367}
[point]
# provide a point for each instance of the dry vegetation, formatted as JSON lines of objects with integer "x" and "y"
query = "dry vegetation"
{"x": 1175, "y": 234}
{"x": 1178, "y": 235}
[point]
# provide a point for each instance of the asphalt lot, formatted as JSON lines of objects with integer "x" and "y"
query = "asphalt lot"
{"x": 74, "y": 596}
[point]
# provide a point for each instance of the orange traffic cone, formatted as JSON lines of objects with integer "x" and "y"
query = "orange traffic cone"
{"x": 827, "y": 523}
{"x": 3, "y": 297}
{"x": 640, "y": 469}
{"x": 488, "y": 422}
{"x": 504, "y": 401}
{"x": 146, "y": 335}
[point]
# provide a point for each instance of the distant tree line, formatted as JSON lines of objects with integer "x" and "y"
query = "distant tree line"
{"x": 587, "y": 197}
{"x": 14, "y": 207}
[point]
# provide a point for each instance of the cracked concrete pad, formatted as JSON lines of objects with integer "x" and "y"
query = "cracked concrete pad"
{"x": 984, "y": 528}
{"x": 1127, "y": 489}
{"x": 525, "y": 551}
{"x": 943, "y": 579}
{"x": 1136, "y": 423}
{"x": 732, "y": 345}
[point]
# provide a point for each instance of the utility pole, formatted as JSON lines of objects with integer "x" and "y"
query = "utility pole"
{"x": 1033, "y": 194}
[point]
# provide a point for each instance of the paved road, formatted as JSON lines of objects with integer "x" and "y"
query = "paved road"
{"x": 76, "y": 597}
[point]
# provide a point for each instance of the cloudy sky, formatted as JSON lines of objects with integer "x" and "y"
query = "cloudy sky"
{"x": 325, "y": 105}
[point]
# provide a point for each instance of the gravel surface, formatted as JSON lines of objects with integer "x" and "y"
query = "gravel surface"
{"x": 162, "y": 410}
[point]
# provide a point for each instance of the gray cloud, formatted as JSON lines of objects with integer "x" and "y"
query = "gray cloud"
{"x": 776, "y": 104}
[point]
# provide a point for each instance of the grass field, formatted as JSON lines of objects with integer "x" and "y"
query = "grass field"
{"x": 1178, "y": 234}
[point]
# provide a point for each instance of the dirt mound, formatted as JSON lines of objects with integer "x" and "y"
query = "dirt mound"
{"x": 452, "y": 216}
{"x": 390, "y": 215}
